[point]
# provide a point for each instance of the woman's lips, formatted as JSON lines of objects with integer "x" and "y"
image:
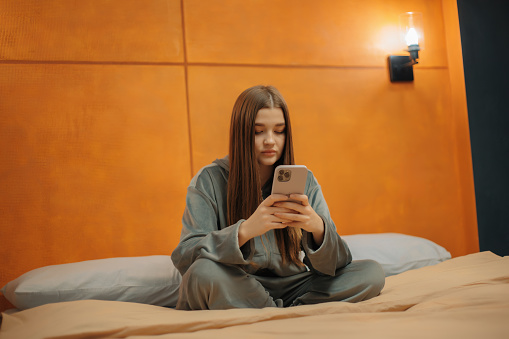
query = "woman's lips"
{"x": 269, "y": 152}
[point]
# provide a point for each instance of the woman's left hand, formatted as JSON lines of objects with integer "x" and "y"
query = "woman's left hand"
{"x": 304, "y": 217}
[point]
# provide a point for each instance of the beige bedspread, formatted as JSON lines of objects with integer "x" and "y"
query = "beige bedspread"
{"x": 465, "y": 297}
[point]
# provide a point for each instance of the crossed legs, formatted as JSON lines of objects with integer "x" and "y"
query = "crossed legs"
{"x": 211, "y": 285}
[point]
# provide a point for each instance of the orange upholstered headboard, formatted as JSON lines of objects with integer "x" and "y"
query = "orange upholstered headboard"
{"x": 107, "y": 109}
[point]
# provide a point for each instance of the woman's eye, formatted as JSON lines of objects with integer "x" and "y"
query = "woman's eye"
{"x": 276, "y": 132}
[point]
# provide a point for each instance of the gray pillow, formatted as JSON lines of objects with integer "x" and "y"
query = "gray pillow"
{"x": 396, "y": 252}
{"x": 149, "y": 280}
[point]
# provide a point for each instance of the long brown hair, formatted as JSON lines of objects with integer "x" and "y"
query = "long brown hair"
{"x": 244, "y": 186}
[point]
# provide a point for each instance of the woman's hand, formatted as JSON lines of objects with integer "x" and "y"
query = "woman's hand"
{"x": 264, "y": 218}
{"x": 302, "y": 215}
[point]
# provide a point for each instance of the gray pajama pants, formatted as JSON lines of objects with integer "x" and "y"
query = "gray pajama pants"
{"x": 211, "y": 285}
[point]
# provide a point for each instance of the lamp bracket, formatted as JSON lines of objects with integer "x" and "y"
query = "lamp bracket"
{"x": 400, "y": 68}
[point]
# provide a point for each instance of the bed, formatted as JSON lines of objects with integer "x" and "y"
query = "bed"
{"x": 427, "y": 295}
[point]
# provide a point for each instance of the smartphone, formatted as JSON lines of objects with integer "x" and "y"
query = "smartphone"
{"x": 289, "y": 179}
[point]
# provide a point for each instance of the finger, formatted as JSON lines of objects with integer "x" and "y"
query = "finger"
{"x": 300, "y": 197}
{"x": 279, "y": 225}
{"x": 273, "y": 198}
{"x": 279, "y": 209}
{"x": 277, "y": 219}
{"x": 292, "y": 216}
{"x": 294, "y": 206}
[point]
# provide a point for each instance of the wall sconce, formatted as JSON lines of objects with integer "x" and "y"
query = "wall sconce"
{"x": 401, "y": 66}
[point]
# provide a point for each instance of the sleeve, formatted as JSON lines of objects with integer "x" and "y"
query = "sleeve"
{"x": 202, "y": 236}
{"x": 333, "y": 253}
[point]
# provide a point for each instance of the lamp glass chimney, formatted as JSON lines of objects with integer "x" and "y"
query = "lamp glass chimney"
{"x": 411, "y": 28}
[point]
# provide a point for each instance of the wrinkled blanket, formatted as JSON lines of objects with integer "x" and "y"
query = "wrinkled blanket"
{"x": 465, "y": 297}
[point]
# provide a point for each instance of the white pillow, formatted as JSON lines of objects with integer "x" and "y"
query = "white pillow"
{"x": 149, "y": 280}
{"x": 396, "y": 252}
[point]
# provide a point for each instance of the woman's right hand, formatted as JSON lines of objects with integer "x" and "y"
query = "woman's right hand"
{"x": 263, "y": 219}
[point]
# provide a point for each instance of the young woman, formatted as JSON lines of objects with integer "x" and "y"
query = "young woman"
{"x": 241, "y": 247}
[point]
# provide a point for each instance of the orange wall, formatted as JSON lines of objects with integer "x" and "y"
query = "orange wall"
{"x": 109, "y": 107}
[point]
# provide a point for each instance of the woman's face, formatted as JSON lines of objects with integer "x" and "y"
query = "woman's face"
{"x": 270, "y": 134}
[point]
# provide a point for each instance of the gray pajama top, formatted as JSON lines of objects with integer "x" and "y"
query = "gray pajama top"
{"x": 206, "y": 233}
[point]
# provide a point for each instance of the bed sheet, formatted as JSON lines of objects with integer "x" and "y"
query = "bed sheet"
{"x": 466, "y": 297}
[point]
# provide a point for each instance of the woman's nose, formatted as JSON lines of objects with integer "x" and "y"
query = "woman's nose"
{"x": 269, "y": 139}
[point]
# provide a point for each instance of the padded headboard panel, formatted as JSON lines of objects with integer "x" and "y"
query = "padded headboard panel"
{"x": 96, "y": 167}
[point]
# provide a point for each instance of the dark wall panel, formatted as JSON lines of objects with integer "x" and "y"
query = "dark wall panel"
{"x": 484, "y": 27}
